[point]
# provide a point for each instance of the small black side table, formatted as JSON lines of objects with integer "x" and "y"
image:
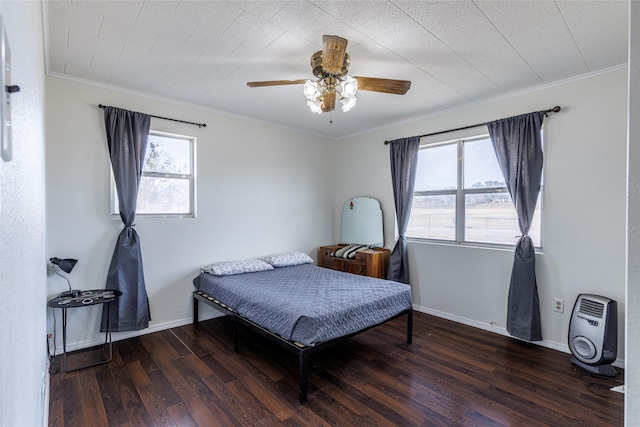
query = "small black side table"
{"x": 85, "y": 299}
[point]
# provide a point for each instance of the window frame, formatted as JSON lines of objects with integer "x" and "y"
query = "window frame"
{"x": 114, "y": 209}
{"x": 460, "y": 193}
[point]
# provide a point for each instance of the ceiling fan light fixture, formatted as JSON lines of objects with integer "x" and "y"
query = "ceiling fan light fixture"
{"x": 315, "y": 106}
{"x": 349, "y": 86}
{"x": 347, "y": 89}
{"x": 312, "y": 90}
{"x": 348, "y": 102}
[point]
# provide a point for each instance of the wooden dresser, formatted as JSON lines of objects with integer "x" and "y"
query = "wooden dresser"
{"x": 367, "y": 262}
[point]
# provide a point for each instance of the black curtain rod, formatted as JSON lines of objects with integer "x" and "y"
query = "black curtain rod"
{"x": 550, "y": 110}
{"x": 200, "y": 125}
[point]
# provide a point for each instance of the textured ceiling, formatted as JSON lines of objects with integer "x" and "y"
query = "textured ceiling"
{"x": 454, "y": 52}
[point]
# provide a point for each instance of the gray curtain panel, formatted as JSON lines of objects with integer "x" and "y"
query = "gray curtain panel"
{"x": 517, "y": 142}
{"x": 127, "y": 136}
{"x": 404, "y": 161}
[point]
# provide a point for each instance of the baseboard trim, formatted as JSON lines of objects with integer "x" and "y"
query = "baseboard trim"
{"x": 119, "y": 336}
{"x": 564, "y": 348}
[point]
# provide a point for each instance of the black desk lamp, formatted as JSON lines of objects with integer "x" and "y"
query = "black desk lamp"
{"x": 65, "y": 265}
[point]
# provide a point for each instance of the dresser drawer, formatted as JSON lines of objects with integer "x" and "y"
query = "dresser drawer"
{"x": 332, "y": 263}
{"x": 355, "y": 268}
{"x": 361, "y": 257}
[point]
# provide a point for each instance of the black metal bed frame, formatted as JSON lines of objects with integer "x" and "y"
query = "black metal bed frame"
{"x": 302, "y": 351}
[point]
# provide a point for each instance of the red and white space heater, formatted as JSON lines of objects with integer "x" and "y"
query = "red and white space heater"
{"x": 593, "y": 334}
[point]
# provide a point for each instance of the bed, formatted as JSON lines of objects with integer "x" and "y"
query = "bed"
{"x": 301, "y": 307}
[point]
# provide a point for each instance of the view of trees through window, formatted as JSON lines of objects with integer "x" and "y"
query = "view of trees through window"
{"x": 166, "y": 185}
{"x": 461, "y": 196}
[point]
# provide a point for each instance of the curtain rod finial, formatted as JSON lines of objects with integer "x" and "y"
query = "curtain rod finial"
{"x": 555, "y": 109}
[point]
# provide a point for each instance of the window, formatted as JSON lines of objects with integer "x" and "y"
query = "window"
{"x": 460, "y": 196}
{"x": 167, "y": 186}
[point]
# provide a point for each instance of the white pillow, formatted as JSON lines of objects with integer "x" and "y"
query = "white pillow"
{"x": 227, "y": 268}
{"x": 287, "y": 259}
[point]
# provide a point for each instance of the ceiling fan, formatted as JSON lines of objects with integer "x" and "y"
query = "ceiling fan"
{"x": 331, "y": 65}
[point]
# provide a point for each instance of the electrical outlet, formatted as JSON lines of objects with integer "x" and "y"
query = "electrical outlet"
{"x": 558, "y": 305}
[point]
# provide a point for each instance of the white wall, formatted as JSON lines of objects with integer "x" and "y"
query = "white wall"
{"x": 632, "y": 358}
{"x": 263, "y": 189}
{"x": 583, "y": 208}
{"x": 23, "y": 354}
{"x": 260, "y": 190}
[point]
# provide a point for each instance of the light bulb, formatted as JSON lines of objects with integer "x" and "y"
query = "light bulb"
{"x": 349, "y": 86}
{"x": 310, "y": 90}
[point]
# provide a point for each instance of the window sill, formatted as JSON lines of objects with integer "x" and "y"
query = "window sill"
{"x": 472, "y": 245}
{"x": 116, "y": 217}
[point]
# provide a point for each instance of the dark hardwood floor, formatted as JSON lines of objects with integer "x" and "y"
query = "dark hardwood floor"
{"x": 451, "y": 375}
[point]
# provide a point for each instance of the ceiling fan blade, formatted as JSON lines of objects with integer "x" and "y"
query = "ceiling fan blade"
{"x": 333, "y": 51}
{"x": 328, "y": 102}
{"x": 396, "y": 87}
{"x": 276, "y": 83}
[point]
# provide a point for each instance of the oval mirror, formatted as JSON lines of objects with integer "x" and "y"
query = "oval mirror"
{"x": 362, "y": 222}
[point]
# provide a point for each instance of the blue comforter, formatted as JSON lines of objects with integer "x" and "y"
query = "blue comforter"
{"x": 308, "y": 304}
